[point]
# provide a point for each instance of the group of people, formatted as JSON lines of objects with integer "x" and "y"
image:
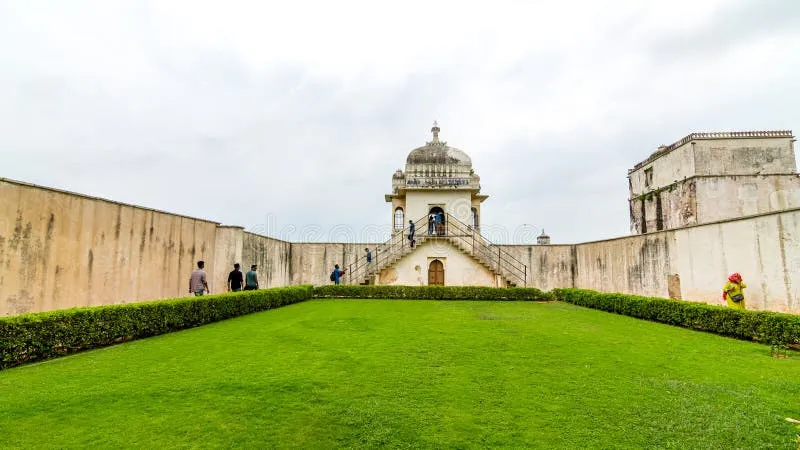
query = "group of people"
{"x": 237, "y": 281}
{"x": 732, "y": 292}
{"x": 338, "y": 273}
{"x": 436, "y": 223}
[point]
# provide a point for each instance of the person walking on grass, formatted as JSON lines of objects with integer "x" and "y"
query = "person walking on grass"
{"x": 733, "y": 292}
{"x": 251, "y": 279}
{"x": 197, "y": 282}
{"x": 235, "y": 279}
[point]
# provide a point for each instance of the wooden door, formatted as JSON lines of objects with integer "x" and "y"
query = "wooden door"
{"x": 436, "y": 273}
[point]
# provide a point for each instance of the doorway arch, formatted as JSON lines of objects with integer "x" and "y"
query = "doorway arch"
{"x": 436, "y": 273}
{"x": 438, "y": 227}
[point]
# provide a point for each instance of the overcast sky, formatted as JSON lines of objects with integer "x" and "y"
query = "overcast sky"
{"x": 289, "y": 118}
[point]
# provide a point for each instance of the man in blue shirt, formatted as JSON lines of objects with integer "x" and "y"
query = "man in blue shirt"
{"x": 337, "y": 274}
{"x": 251, "y": 279}
{"x": 369, "y": 261}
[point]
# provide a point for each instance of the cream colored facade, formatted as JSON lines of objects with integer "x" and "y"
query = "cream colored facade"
{"x": 436, "y": 176}
{"x": 61, "y": 250}
{"x": 707, "y": 177}
{"x": 460, "y": 269}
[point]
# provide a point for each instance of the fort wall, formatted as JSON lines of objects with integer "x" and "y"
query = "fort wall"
{"x": 61, "y": 250}
{"x": 690, "y": 263}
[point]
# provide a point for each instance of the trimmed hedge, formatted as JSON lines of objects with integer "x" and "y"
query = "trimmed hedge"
{"x": 431, "y": 292}
{"x": 761, "y": 326}
{"x": 33, "y": 337}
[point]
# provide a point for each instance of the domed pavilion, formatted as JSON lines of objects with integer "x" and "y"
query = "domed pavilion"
{"x": 438, "y": 179}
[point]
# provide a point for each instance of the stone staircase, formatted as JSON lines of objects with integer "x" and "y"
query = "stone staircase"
{"x": 511, "y": 271}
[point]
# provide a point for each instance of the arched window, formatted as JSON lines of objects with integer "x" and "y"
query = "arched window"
{"x": 475, "y": 223}
{"x": 398, "y": 219}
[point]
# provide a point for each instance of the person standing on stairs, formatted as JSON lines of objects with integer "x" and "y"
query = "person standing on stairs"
{"x": 369, "y": 261}
{"x": 411, "y": 233}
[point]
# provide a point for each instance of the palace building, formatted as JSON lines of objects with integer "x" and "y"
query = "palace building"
{"x": 440, "y": 193}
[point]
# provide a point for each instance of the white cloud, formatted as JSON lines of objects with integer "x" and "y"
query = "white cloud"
{"x": 299, "y": 112}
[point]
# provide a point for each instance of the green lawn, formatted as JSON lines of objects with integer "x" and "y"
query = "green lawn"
{"x": 362, "y": 373}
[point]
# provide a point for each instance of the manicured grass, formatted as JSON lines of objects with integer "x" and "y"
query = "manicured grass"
{"x": 366, "y": 373}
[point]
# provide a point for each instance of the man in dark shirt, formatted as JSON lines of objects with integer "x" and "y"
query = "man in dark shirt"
{"x": 235, "y": 279}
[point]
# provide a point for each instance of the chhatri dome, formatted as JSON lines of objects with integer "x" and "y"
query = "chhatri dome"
{"x": 437, "y": 152}
{"x": 438, "y": 177}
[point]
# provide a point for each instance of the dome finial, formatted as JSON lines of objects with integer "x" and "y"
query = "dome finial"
{"x": 435, "y": 131}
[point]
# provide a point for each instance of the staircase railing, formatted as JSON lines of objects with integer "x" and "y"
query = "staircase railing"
{"x": 500, "y": 260}
{"x": 397, "y": 244}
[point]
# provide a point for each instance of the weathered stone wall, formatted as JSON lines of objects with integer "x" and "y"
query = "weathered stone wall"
{"x": 635, "y": 264}
{"x": 693, "y": 263}
{"x": 673, "y": 207}
{"x": 61, "y": 250}
{"x": 228, "y": 251}
{"x": 312, "y": 263}
{"x": 705, "y": 178}
{"x": 690, "y": 263}
{"x": 272, "y": 256}
{"x": 709, "y": 199}
{"x": 745, "y": 156}
{"x": 764, "y": 249}
{"x": 548, "y": 266}
{"x": 733, "y": 196}
{"x": 673, "y": 166}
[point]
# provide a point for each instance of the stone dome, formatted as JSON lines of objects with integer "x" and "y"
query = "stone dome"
{"x": 439, "y": 153}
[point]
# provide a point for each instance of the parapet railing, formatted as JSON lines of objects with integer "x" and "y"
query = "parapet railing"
{"x": 398, "y": 243}
{"x": 500, "y": 261}
{"x": 715, "y": 135}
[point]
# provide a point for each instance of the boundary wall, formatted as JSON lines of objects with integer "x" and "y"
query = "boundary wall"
{"x": 60, "y": 250}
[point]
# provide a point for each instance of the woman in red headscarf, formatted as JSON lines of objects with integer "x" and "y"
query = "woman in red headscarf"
{"x": 733, "y": 292}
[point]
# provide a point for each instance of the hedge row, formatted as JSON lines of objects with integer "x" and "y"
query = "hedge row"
{"x": 431, "y": 292}
{"x": 32, "y": 337}
{"x": 761, "y": 326}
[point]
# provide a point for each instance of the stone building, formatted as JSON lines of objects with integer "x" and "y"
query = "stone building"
{"x": 441, "y": 194}
{"x": 723, "y": 202}
{"x": 708, "y": 177}
{"x": 438, "y": 178}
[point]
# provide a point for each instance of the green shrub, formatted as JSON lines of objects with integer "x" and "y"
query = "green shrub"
{"x": 32, "y": 337}
{"x": 762, "y": 326}
{"x": 431, "y": 292}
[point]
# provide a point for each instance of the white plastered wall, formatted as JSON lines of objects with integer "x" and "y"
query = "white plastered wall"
{"x": 459, "y": 268}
